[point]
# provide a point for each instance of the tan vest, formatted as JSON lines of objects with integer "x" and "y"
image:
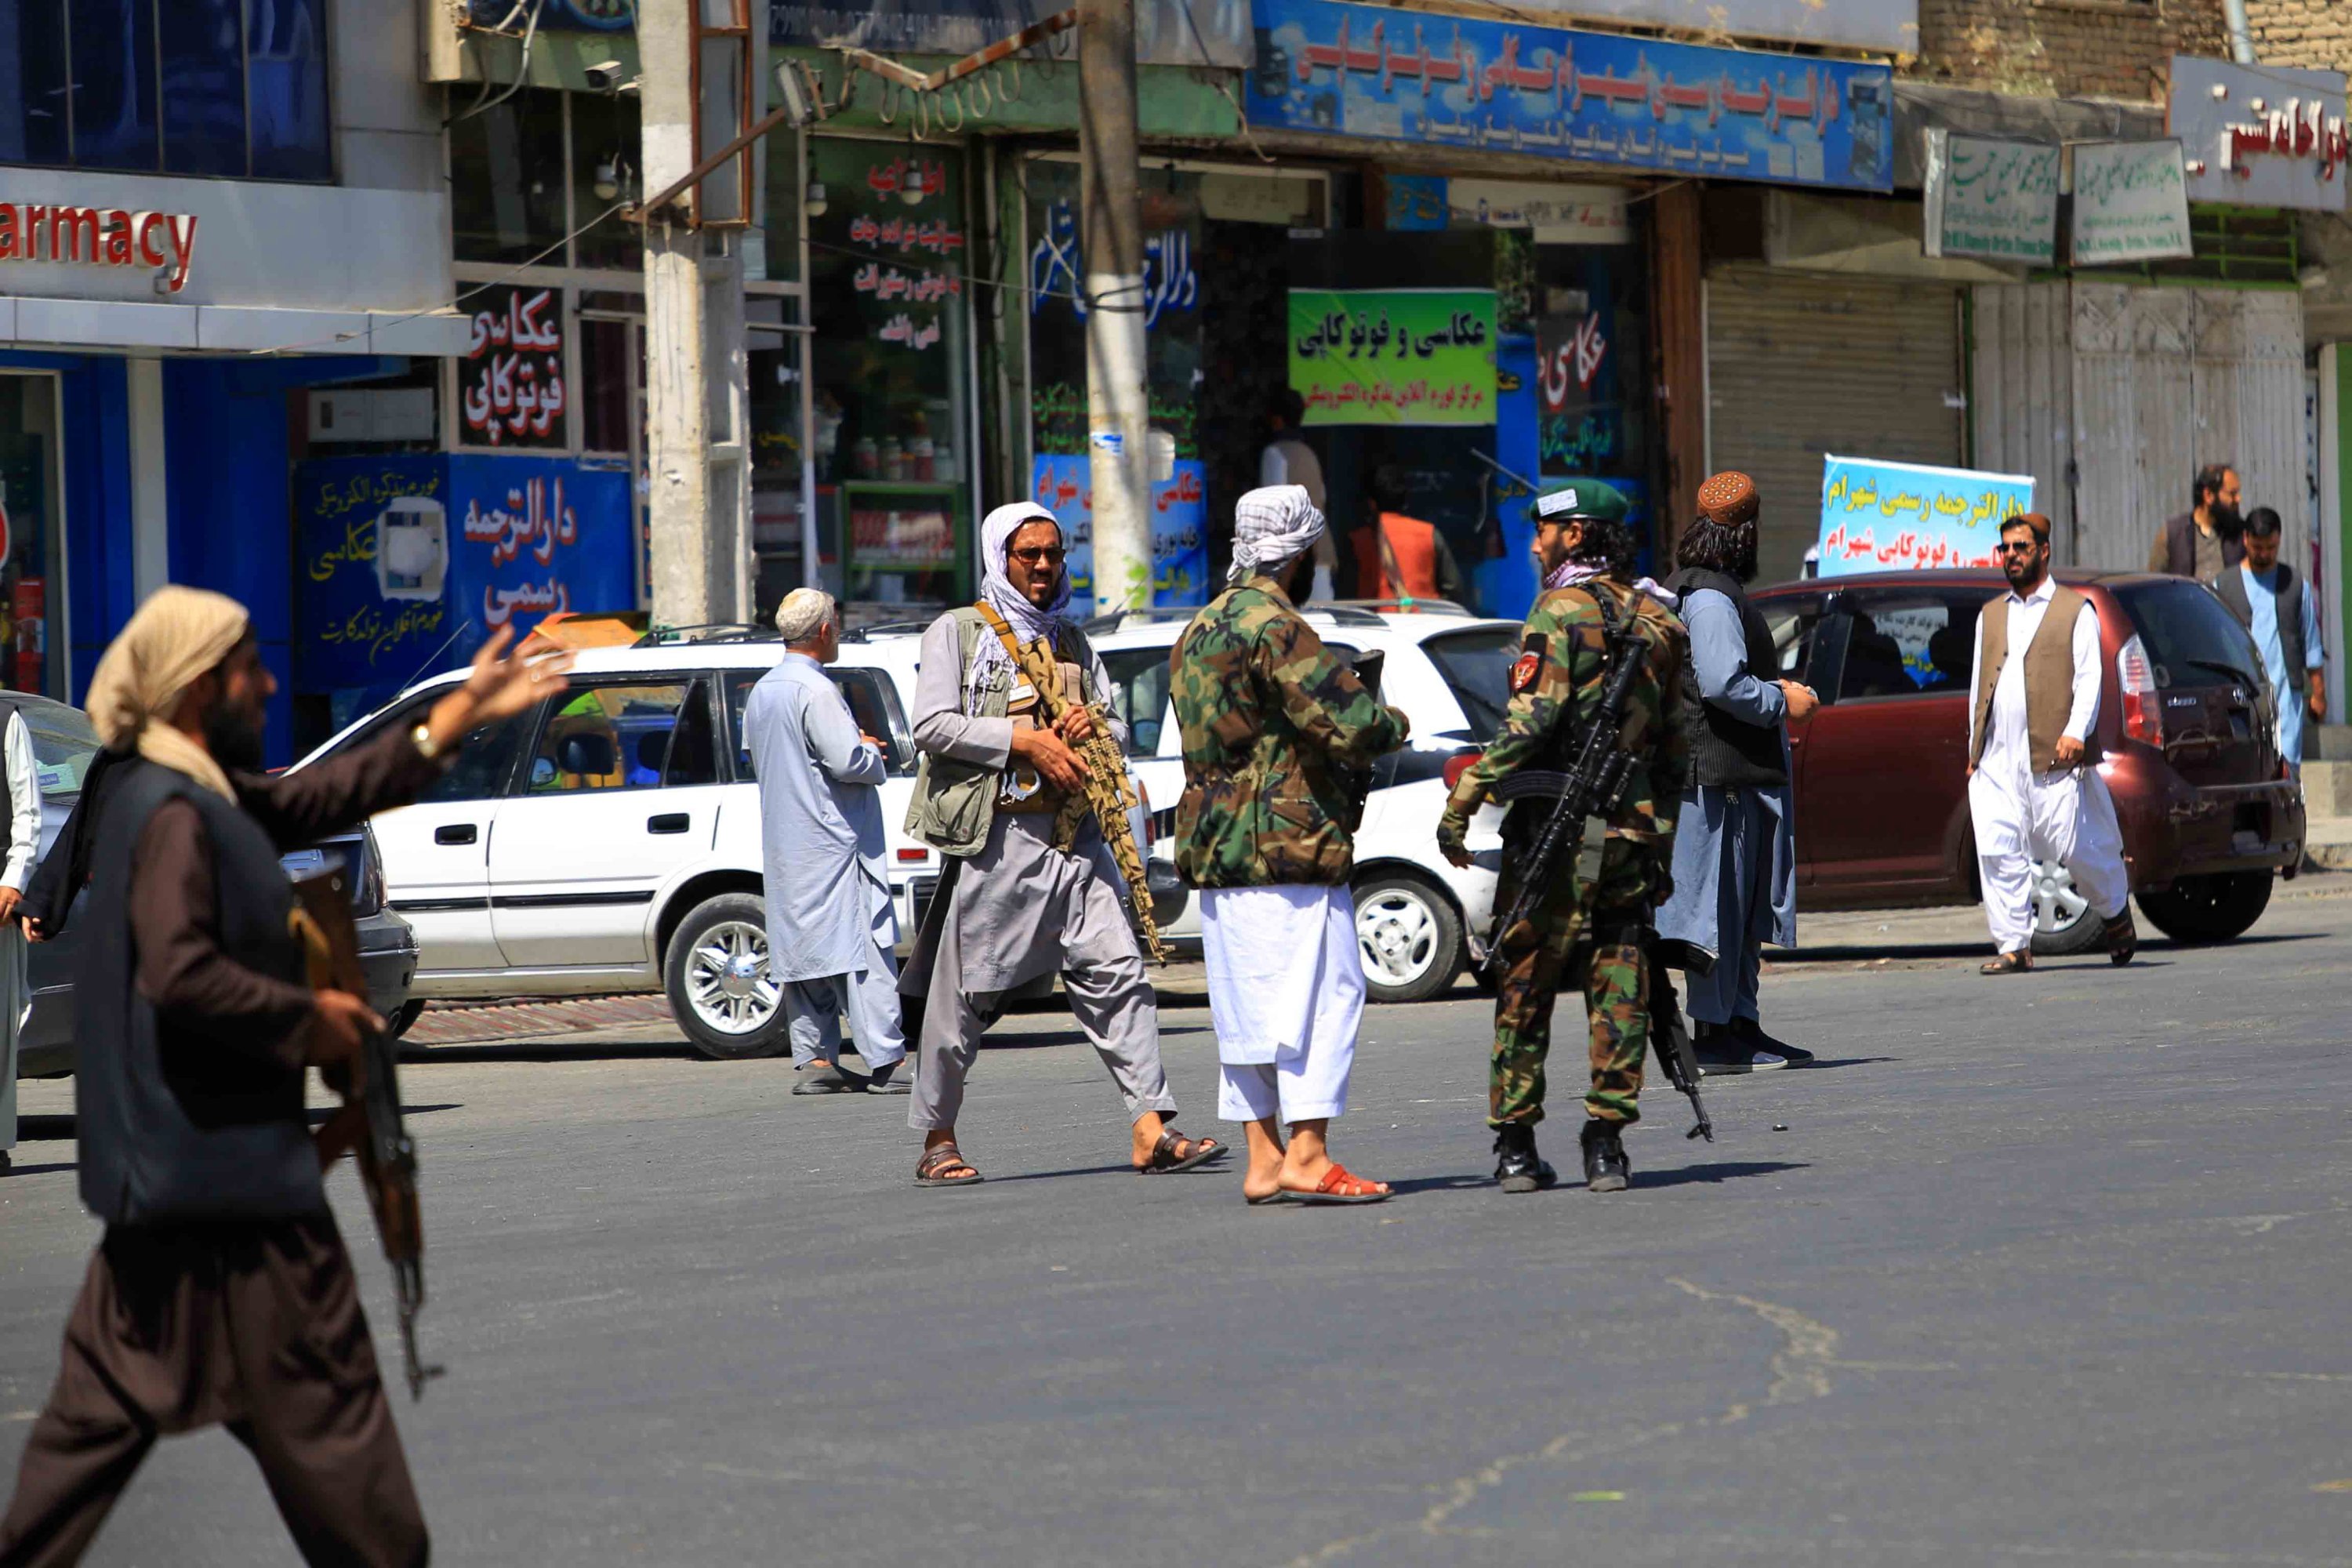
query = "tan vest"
{"x": 2049, "y": 676}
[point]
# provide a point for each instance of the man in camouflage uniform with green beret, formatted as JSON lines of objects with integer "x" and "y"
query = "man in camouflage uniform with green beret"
{"x": 1588, "y": 934}
{"x": 1276, "y": 734}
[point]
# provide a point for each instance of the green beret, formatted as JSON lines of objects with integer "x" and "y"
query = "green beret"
{"x": 1580, "y": 499}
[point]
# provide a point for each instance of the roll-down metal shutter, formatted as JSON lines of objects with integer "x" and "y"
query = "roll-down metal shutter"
{"x": 1803, "y": 364}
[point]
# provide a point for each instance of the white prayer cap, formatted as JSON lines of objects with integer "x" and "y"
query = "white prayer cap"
{"x": 1270, "y": 526}
{"x": 803, "y": 613}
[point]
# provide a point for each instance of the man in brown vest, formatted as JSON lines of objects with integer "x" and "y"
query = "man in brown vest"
{"x": 2034, "y": 790}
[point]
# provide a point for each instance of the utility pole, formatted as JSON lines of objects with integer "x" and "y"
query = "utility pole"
{"x": 1119, "y": 407}
{"x": 696, "y": 400}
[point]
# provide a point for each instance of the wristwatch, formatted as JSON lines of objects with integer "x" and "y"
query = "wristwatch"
{"x": 427, "y": 746}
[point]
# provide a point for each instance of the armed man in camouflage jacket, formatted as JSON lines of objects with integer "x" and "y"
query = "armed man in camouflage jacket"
{"x": 1275, "y": 731}
{"x": 1588, "y": 934}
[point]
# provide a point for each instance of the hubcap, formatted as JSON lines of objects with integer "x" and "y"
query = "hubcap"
{"x": 726, "y": 979}
{"x": 1397, "y": 933}
{"x": 2057, "y": 904}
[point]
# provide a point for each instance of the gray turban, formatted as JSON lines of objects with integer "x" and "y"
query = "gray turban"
{"x": 802, "y": 614}
{"x": 1271, "y": 526}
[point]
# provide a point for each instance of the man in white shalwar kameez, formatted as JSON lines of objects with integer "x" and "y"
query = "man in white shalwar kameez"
{"x": 2034, "y": 791}
{"x": 24, "y": 849}
{"x": 830, "y": 926}
{"x": 1278, "y": 732}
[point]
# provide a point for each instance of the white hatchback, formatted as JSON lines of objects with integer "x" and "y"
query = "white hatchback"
{"x": 609, "y": 839}
{"x": 1419, "y": 920}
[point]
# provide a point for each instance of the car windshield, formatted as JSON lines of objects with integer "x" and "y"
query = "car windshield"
{"x": 2191, "y": 639}
{"x": 1476, "y": 665}
{"x": 63, "y": 745}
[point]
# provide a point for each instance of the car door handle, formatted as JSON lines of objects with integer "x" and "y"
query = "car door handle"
{"x": 668, "y": 822}
{"x": 456, "y": 833}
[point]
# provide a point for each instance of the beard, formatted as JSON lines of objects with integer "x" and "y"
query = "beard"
{"x": 234, "y": 738}
{"x": 2228, "y": 522}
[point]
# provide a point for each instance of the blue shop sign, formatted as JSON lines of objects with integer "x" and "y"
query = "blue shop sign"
{"x": 1682, "y": 109}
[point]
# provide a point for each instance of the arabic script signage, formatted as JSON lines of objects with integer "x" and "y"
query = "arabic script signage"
{"x": 2131, "y": 202}
{"x": 2272, "y": 137}
{"x": 407, "y": 563}
{"x": 1179, "y": 527}
{"x": 1393, "y": 356}
{"x": 1364, "y": 70}
{"x": 1891, "y": 517}
{"x": 1993, "y": 200}
{"x": 511, "y": 388}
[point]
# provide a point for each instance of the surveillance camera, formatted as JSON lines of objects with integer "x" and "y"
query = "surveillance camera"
{"x": 605, "y": 76}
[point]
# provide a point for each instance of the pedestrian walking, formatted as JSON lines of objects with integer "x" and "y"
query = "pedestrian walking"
{"x": 221, "y": 1292}
{"x": 2034, "y": 790}
{"x": 1735, "y": 871}
{"x": 2204, "y": 540}
{"x": 833, "y": 933}
{"x": 1016, "y": 899}
{"x": 22, "y": 823}
{"x": 1401, "y": 558}
{"x": 2276, "y": 607}
{"x": 1286, "y": 459}
{"x": 1274, "y": 726}
{"x": 1591, "y": 930}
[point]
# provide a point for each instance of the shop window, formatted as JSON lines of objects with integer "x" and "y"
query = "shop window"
{"x": 605, "y": 174}
{"x": 608, "y": 383}
{"x": 774, "y": 366}
{"x": 113, "y": 96}
{"x": 781, "y": 212}
{"x": 202, "y": 59}
{"x": 507, "y": 180}
{"x": 232, "y": 88}
{"x": 887, "y": 267}
{"x": 31, "y": 530}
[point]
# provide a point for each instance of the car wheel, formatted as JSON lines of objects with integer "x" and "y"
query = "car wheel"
{"x": 717, "y": 976}
{"x": 2216, "y": 907}
{"x": 2064, "y": 923}
{"x": 1410, "y": 936}
{"x": 405, "y": 1020}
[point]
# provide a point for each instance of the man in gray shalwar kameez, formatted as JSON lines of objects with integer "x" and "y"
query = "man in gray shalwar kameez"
{"x": 831, "y": 927}
{"x": 1736, "y": 846}
{"x": 1011, "y": 906}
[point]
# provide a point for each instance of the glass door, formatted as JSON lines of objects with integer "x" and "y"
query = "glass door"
{"x": 32, "y": 535}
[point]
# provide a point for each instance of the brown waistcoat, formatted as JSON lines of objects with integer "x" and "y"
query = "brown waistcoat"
{"x": 2049, "y": 676}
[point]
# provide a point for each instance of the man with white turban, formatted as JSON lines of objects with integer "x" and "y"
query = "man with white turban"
{"x": 1278, "y": 732}
{"x": 831, "y": 930}
{"x": 1013, "y": 903}
{"x": 221, "y": 1293}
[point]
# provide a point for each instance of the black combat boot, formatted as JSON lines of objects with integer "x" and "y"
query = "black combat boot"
{"x": 1606, "y": 1169}
{"x": 1520, "y": 1168}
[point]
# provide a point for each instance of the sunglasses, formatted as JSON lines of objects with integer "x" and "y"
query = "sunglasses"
{"x": 2017, "y": 547}
{"x": 1041, "y": 555}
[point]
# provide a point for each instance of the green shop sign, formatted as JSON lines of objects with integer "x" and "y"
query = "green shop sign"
{"x": 1393, "y": 356}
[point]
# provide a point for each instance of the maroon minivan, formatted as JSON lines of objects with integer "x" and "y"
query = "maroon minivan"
{"x": 2208, "y": 810}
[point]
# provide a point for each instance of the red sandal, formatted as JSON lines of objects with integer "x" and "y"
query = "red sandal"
{"x": 1340, "y": 1186}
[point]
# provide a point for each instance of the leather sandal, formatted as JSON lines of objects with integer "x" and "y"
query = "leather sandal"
{"x": 1164, "y": 1154}
{"x": 2017, "y": 962}
{"x": 945, "y": 1157}
{"x": 2123, "y": 939}
{"x": 1339, "y": 1185}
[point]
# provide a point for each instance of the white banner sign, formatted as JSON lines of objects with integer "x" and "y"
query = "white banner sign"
{"x": 1990, "y": 200}
{"x": 2131, "y": 202}
{"x": 2266, "y": 137}
{"x": 1879, "y": 26}
{"x": 1558, "y": 214}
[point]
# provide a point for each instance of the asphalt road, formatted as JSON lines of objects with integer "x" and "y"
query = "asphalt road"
{"x": 2048, "y": 1270}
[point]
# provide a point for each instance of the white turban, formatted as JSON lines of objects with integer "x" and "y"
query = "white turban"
{"x": 1271, "y": 526}
{"x": 996, "y": 590}
{"x": 802, "y": 614}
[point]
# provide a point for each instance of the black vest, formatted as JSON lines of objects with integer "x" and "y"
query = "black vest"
{"x": 1725, "y": 751}
{"x": 176, "y": 1123}
{"x": 2288, "y": 597}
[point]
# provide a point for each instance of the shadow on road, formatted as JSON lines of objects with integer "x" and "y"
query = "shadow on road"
{"x": 1716, "y": 1174}
{"x": 550, "y": 1048}
{"x": 36, "y": 1170}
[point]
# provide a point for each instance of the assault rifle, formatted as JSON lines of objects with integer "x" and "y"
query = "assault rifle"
{"x": 369, "y": 1121}
{"x": 1669, "y": 1036}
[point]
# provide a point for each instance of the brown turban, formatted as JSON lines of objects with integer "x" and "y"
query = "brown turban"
{"x": 1729, "y": 501}
{"x": 177, "y": 635}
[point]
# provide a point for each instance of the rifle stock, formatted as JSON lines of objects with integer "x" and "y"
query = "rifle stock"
{"x": 1670, "y": 1037}
{"x": 370, "y": 1124}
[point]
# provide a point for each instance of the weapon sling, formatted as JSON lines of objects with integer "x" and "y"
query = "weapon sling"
{"x": 1107, "y": 789}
